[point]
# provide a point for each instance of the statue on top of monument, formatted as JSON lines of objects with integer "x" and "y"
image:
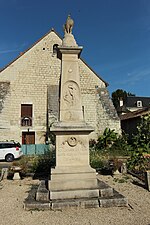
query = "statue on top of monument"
{"x": 68, "y": 39}
{"x": 68, "y": 25}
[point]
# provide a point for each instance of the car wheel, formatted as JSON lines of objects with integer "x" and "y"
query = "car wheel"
{"x": 9, "y": 158}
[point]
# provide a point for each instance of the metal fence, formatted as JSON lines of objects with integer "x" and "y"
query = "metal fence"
{"x": 37, "y": 149}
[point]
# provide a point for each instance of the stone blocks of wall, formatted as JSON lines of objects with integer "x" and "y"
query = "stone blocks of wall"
{"x": 34, "y": 79}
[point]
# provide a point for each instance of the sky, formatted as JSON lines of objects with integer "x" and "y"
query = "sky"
{"x": 115, "y": 35}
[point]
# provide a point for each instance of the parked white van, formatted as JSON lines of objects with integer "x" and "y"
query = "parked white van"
{"x": 10, "y": 150}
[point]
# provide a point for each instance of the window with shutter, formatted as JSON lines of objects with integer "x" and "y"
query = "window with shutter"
{"x": 26, "y": 114}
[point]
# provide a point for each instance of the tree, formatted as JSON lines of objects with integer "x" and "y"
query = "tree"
{"x": 142, "y": 138}
{"x": 141, "y": 145}
{"x": 118, "y": 94}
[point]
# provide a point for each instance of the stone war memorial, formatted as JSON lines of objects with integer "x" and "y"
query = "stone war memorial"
{"x": 72, "y": 183}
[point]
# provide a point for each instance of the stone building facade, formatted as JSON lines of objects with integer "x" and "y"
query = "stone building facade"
{"x": 29, "y": 94}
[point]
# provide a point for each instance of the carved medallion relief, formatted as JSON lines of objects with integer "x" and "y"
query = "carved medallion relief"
{"x": 72, "y": 141}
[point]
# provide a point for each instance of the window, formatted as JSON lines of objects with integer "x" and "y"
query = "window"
{"x": 139, "y": 103}
{"x": 26, "y": 115}
{"x": 55, "y": 49}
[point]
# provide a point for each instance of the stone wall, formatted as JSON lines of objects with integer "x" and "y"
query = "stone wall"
{"x": 34, "y": 79}
{"x": 4, "y": 107}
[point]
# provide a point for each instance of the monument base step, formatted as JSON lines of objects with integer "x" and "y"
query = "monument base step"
{"x": 74, "y": 194}
{"x": 117, "y": 200}
{"x": 101, "y": 189}
{"x": 75, "y": 203}
{"x": 38, "y": 198}
{"x": 104, "y": 189}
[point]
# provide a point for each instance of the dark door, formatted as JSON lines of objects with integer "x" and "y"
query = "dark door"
{"x": 28, "y": 138}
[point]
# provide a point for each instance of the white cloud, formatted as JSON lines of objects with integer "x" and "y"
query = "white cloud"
{"x": 135, "y": 76}
{"x": 15, "y": 49}
{"x": 8, "y": 51}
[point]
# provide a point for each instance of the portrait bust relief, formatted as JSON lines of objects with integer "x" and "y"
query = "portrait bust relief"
{"x": 70, "y": 93}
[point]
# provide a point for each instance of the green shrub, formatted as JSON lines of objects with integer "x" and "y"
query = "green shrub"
{"x": 140, "y": 146}
{"x": 25, "y": 163}
{"x": 108, "y": 147}
{"x": 92, "y": 143}
{"x": 97, "y": 160}
{"x": 120, "y": 147}
{"x": 43, "y": 163}
{"x": 106, "y": 139}
{"x": 36, "y": 163}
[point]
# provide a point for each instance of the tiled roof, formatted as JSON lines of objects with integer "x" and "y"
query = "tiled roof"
{"x": 131, "y": 101}
{"x": 134, "y": 114}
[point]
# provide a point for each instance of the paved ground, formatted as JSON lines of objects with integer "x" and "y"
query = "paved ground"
{"x": 13, "y": 193}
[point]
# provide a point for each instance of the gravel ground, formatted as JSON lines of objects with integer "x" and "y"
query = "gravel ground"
{"x": 13, "y": 193}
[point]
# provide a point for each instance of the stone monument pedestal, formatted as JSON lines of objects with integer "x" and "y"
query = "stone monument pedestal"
{"x": 72, "y": 178}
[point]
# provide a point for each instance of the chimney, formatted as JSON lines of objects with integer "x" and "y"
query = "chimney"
{"x": 121, "y": 101}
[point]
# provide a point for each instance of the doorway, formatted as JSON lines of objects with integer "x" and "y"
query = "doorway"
{"x": 28, "y": 138}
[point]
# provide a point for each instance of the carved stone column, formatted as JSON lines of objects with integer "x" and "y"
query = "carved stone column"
{"x": 70, "y": 97}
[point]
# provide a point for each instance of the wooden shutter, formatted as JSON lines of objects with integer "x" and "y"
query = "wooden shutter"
{"x": 26, "y": 110}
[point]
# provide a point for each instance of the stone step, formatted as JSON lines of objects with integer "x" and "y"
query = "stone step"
{"x": 117, "y": 200}
{"x": 104, "y": 189}
{"x": 108, "y": 197}
{"x": 75, "y": 203}
{"x": 42, "y": 193}
{"x": 74, "y": 194}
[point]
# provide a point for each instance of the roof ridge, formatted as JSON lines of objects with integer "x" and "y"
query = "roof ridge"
{"x": 36, "y": 42}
